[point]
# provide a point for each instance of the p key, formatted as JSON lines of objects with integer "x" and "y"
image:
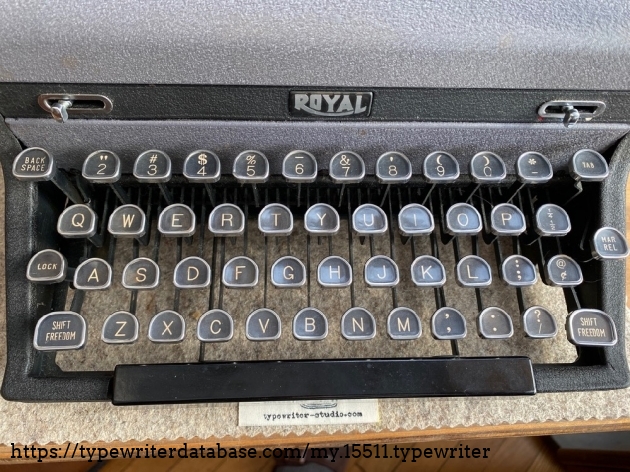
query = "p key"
{"x": 507, "y": 220}
{"x": 93, "y": 274}
{"x": 177, "y": 220}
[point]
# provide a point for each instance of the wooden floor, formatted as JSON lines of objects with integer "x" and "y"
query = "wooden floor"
{"x": 510, "y": 454}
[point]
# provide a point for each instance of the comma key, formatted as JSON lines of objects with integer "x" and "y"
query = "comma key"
{"x": 448, "y": 324}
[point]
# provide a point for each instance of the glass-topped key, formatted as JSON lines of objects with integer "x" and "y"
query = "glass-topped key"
{"x": 403, "y": 323}
{"x": 288, "y": 272}
{"x": 346, "y": 167}
{"x": 590, "y": 327}
{"x": 533, "y": 168}
{"x": 381, "y": 271}
{"x": 120, "y": 328}
{"x": 473, "y": 271}
{"x": 427, "y": 271}
{"x": 608, "y": 243}
{"x": 495, "y": 323}
{"x": 251, "y": 167}
{"x": 334, "y": 271}
{"x": 263, "y": 325}
{"x": 60, "y": 331}
{"x": 393, "y": 168}
{"x": 538, "y": 323}
{"x": 563, "y": 271}
{"x": 215, "y": 326}
{"x": 141, "y": 273}
{"x": 167, "y": 326}
{"x": 77, "y": 221}
{"x": 518, "y": 271}
{"x": 275, "y": 220}
{"x": 440, "y": 167}
{"x": 487, "y": 167}
{"x": 152, "y": 166}
{"x": 300, "y": 167}
{"x": 177, "y": 220}
{"x": 202, "y": 166}
{"x": 321, "y": 219}
{"x": 192, "y": 272}
{"x": 552, "y": 220}
{"x": 101, "y": 167}
{"x": 310, "y": 324}
{"x": 47, "y": 267}
{"x": 240, "y": 272}
{"x": 447, "y": 324}
{"x": 415, "y": 219}
{"x": 358, "y": 324}
{"x": 93, "y": 274}
{"x": 127, "y": 221}
{"x": 462, "y": 219}
{"x": 507, "y": 220}
{"x": 588, "y": 166}
{"x": 226, "y": 220}
{"x": 369, "y": 219}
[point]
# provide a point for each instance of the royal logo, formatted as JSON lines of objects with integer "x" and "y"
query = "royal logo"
{"x": 330, "y": 104}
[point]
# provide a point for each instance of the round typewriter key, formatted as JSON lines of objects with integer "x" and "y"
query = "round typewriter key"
{"x": 177, "y": 220}
{"x": 215, "y": 326}
{"x": 448, "y": 323}
{"x": 589, "y": 166}
{"x": 226, "y": 220}
{"x": 240, "y": 272}
{"x": 334, "y": 271}
{"x": 192, "y": 272}
{"x": 533, "y": 168}
{"x": 141, "y": 274}
{"x": 251, "y": 167}
{"x": 93, "y": 274}
{"x": 310, "y": 324}
{"x": 393, "y": 168}
{"x": 608, "y": 243}
{"x": 487, "y": 167}
{"x": 381, "y": 271}
{"x": 518, "y": 271}
{"x": 167, "y": 327}
{"x": 263, "y": 325}
{"x": 440, "y": 167}
{"x": 358, "y": 324}
{"x": 101, "y": 167}
{"x": 539, "y": 323}
{"x": 473, "y": 271}
{"x": 77, "y": 221}
{"x": 427, "y": 271}
{"x": 127, "y": 221}
{"x": 591, "y": 328}
{"x": 346, "y": 167}
{"x": 120, "y": 328}
{"x": 299, "y": 166}
{"x": 494, "y": 323}
{"x": 288, "y": 272}
{"x": 369, "y": 219}
{"x": 463, "y": 219}
{"x": 152, "y": 166}
{"x": 403, "y": 323}
{"x": 552, "y": 220}
{"x": 321, "y": 219}
{"x": 202, "y": 166}
{"x": 507, "y": 220}
{"x": 415, "y": 219}
{"x": 47, "y": 267}
{"x": 60, "y": 331}
{"x": 563, "y": 271}
{"x": 275, "y": 220}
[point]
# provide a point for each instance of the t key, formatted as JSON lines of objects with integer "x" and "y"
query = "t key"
{"x": 275, "y": 220}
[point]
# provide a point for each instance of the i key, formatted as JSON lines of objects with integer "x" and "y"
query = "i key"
{"x": 79, "y": 221}
{"x": 415, "y": 219}
{"x": 103, "y": 167}
{"x": 154, "y": 167}
{"x": 251, "y": 167}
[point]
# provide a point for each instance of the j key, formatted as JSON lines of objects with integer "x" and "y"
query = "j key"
{"x": 507, "y": 220}
{"x": 369, "y": 219}
{"x": 533, "y": 168}
{"x": 141, "y": 274}
{"x": 177, "y": 220}
{"x": 240, "y": 272}
{"x": 127, "y": 221}
{"x": 215, "y": 326}
{"x": 167, "y": 327}
{"x": 263, "y": 325}
{"x": 346, "y": 167}
{"x": 47, "y": 267}
{"x": 227, "y": 220}
{"x": 440, "y": 167}
{"x": 321, "y": 219}
{"x": 101, "y": 167}
{"x": 403, "y": 323}
{"x": 494, "y": 323}
{"x": 393, "y": 168}
{"x": 310, "y": 324}
{"x": 358, "y": 324}
{"x": 591, "y": 328}
{"x": 487, "y": 167}
{"x": 77, "y": 221}
{"x": 93, "y": 274}
{"x": 60, "y": 331}
{"x": 473, "y": 271}
{"x": 415, "y": 219}
{"x": 447, "y": 324}
{"x": 588, "y": 166}
{"x": 202, "y": 166}
{"x": 427, "y": 271}
{"x": 192, "y": 272}
{"x": 152, "y": 166}
{"x": 463, "y": 218}
{"x": 518, "y": 271}
{"x": 381, "y": 271}
{"x": 538, "y": 323}
{"x": 299, "y": 166}
{"x": 334, "y": 271}
{"x": 288, "y": 272}
{"x": 275, "y": 220}
{"x": 608, "y": 243}
{"x": 562, "y": 271}
{"x": 251, "y": 167}
{"x": 552, "y": 220}
{"x": 120, "y": 328}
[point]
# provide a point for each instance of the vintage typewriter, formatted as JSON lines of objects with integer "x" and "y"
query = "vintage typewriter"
{"x": 207, "y": 243}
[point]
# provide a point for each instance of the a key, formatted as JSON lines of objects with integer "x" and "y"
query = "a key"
{"x": 427, "y": 271}
{"x": 263, "y": 325}
{"x": 538, "y": 323}
{"x": 403, "y": 324}
{"x": 563, "y": 271}
{"x": 275, "y": 220}
{"x": 589, "y": 327}
{"x": 127, "y": 221}
{"x": 120, "y": 328}
{"x": 47, "y": 267}
{"x": 440, "y": 167}
{"x": 608, "y": 243}
{"x": 226, "y": 220}
{"x": 487, "y": 167}
{"x": 310, "y": 324}
{"x": 215, "y": 326}
{"x": 414, "y": 219}
{"x": 154, "y": 166}
{"x": 381, "y": 271}
{"x": 251, "y": 167}
{"x": 393, "y": 168}
{"x": 141, "y": 274}
{"x": 240, "y": 272}
{"x": 448, "y": 324}
{"x": 168, "y": 326}
{"x": 507, "y": 220}
{"x": 79, "y": 221}
{"x": 552, "y": 220}
{"x": 299, "y": 167}
{"x": 518, "y": 271}
{"x": 93, "y": 274}
{"x": 473, "y": 271}
{"x": 288, "y": 272}
{"x": 334, "y": 271}
{"x": 346, "y": 167}
{"x": 202, "y": 166}
{"x": 463, "y": 219}
{"x": 192, "y": 272}
{"x": 533, "y": 168}
{"x": 103, "y": 167}
{"x": 358, "y": 324}
{"x": 177, "y": 220}
{"x": 369, "y": 220}
{"x": 588, "y": 166}
{"x": 495, "y": 323}
{"x": 321, "y": 219}
{"x": 60, "y": 331}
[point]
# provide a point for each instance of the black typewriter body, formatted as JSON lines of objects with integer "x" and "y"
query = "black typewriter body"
{"x": 314, "y": 239}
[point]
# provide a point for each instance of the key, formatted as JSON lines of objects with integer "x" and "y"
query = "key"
{"x": 141, "y": 274}
{"x": 608, "y": 243}
{"x": 494, "y": 323}
{"x": 128, "y": 221}
{"x": 393, "y": 168}
{"x": 288, "y": 272}
{"x": 299, "y": 167}
{"x": 487, "y": 167}
{"x": 427, "y": 271}
{"x": 310, "y": 324}
{"x": 403, "y": 323}
{"x": 563, "y": 271}
{"x": 79, "y": 221}
{"x": 591, "y": 328}
{"x": 227, "y": 220}
{"x": 440, "y": 167}
{"x": 168, "y": 326}
{"x": 518, "y": 271}
{"x": 93, "y": 274}
{"x": 47, "y": 267}
{"x": 275, "y": 220}
{"x": 120, "y": 328}
{"x": 462, "y": 219}
{"x": 533, "y": 168}
{"x": 415, "y": 219}
{"x": 60, "y": 331}
{"x": 448, "y": 324}
{"x": 358, "y": 324}
{"x": 552, "y": 220}
{"x": 263, "y": 325}
{"x": 154, "y": 167}
{"x": 177, "y": 220}
{"x": 473, "y": 271}
{"x": 202, "y": 166}
{"x": 369, "y": 220}
{"x": 334, "y": 271}
{"x": 251, "y": 167}
{"x": 507, "y": 220}
{"x": 346, "y": 167}
{"x": 215, "y": 326}
{"x": 192, "y": 272}
{"x": 321, "y": 219}
{"x": 103, "y": 167}
{"x": 240, "y": 272}
{"x": 588, "y": 166}
{"x": 538, "y": 323}
{"x": 381, "y": 271}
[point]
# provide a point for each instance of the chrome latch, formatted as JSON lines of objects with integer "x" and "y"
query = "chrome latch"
{"x": 62, "y": 105}
{"x": 571, "y": 111}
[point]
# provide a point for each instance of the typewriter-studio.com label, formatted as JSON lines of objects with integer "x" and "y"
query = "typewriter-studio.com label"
{"x": 308, "y": 412}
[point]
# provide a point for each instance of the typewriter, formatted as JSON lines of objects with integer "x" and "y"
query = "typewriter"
{"x": 205, "y": 243}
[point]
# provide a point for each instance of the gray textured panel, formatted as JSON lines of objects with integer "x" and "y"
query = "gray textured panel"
{"x": 490, "y": 43}
{"x": 71, "y": 142}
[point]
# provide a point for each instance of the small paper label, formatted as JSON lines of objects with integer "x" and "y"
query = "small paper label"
{"x": 308, "y": 412}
